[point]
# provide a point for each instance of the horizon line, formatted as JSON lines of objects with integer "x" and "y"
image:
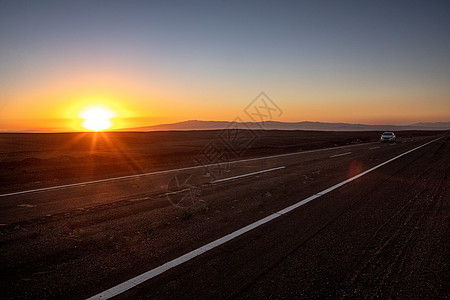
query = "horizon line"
{"x": 425, "y": 125}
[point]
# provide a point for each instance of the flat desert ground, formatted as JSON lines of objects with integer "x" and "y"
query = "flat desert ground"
{"x": 40, "y": 160}
{"x": 83, "y": 212}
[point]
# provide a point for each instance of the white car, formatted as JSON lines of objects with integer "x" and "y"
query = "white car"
{"x": 388, "y": 136}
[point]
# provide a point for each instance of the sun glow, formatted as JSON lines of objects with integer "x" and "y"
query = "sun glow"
{"x": 97, "y": 118}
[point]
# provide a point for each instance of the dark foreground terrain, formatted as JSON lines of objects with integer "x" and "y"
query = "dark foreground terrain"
{"x": 40, "y": 160}
{"x": 382, "y": 235}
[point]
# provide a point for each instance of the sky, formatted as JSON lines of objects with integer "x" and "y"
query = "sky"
{"x": 153, "y": 62}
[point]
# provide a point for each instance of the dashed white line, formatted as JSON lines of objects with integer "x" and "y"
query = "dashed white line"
{"x": 374, "y": 148}
{"x": 133, "y": 282}
{"x": 248, "y": 174}
{"x": 342, "y": 154}
{"x": 65, "y": 186}
{"x": 231, "y": 178}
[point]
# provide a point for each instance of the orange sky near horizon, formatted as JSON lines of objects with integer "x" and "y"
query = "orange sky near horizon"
{"x": 54, "y": 103}
{"x": 60, "y": 111}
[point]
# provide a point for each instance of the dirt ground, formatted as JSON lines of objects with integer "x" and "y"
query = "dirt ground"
{"x": 40, "y": 160}
{"x": 87, "y": 249}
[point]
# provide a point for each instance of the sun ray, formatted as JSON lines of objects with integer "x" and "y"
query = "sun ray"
{"x": 130, "y": 160}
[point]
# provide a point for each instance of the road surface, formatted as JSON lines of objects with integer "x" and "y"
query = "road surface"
{"x": 381, "y": 235}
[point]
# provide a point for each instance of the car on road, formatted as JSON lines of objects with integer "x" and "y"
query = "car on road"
{"x": 388, "y": 136}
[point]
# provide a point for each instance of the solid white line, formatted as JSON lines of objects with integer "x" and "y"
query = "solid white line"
{"x": 65, "y": 186}
{"x": 133, "y": 282}
{"x": 245, "y": 175}
{"x": 342, "y": 154}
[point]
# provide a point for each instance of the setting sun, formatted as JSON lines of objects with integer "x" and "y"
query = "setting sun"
{"x": 97, "y": 118}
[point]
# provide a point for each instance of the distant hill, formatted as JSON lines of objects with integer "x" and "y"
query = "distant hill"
{"x": 274, "y": 125}
{"x": 445, "y": 125}
{"x": 269, "y": 125}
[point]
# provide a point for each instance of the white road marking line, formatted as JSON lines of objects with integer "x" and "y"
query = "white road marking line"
{"x": 133, "y": 282}
{"x": 374, "y": 148}
{"x": 342, "y": 154}
{"x": 248, "y": 174}
{"x": 65, "y": 186}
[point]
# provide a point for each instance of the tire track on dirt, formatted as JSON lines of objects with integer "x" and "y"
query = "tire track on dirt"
{"x": 330, "y": 222}
{"x": 395, "y": 246}
{"x": 394, "y": 236}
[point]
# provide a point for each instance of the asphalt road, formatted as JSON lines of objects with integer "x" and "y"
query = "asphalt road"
{"x": 381, "y": 235}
